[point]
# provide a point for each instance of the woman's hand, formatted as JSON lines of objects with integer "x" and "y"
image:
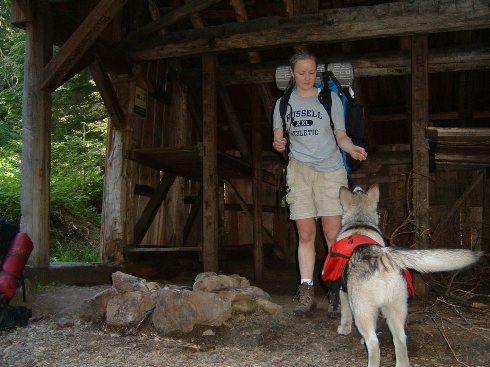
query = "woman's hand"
{"x": 279, "y": 144}
{"x": 358, "y": 153}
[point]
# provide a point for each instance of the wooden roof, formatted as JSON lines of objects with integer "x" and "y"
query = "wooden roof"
{"x": 251, "y": 37}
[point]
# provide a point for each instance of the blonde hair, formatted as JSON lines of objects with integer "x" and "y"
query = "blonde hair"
{"x": 301, "y": 55}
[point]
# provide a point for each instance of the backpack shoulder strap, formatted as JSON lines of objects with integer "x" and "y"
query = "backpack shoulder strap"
{"x": 325, "y": 98}
{"x": 284, "y": 103}
{"x": 283, "y": 109}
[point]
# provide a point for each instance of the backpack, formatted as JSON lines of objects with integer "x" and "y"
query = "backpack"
{"x": 353, "y": 112}
{"x": 15, "y": 248}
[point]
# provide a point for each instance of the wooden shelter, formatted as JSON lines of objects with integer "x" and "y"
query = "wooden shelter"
{"x": 189, "y": 88}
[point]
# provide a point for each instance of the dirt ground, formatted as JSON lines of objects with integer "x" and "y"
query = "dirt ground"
{"x": 440, "y": 333}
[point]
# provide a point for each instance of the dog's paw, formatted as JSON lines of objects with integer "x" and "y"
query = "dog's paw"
{"x": 344, "y": 329}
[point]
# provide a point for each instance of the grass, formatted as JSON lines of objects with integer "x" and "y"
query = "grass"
{"x": 73, "y": 251}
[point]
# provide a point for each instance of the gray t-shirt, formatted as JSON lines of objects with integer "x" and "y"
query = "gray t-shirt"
{"x": 311, "y": 138}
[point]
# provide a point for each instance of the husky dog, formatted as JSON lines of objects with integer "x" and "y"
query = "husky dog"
{"x": 374, "y": 275}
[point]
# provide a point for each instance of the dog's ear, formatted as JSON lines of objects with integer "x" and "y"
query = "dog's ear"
{"x": 345, "y": 197}
{"x": 373, "y": 195}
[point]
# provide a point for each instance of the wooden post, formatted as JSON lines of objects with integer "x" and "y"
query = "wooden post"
{"x": 257, "y": 191}
{"x": 113, "y": 237}
{"x": 420, "y": 147}
{"x": 36, "y": 135}
{"x": 180, "y": 133}
{"x": 210, "y": 165}
{"x": 485, "y": 243}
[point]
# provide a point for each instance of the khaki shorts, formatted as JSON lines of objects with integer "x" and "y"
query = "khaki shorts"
{"x": 313, "y": 194}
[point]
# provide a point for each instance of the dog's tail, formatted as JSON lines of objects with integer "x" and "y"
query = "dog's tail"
{"x": 428, "y": 261}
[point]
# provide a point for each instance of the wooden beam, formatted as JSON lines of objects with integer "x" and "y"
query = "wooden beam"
{"x": 195, "y": 208}
{"x": 36, "y": 135}
{"x": 432, "y": 116}
{"x": 152, "y": 207}
{"x": 336, "y": 25}
{"x": 242, "y": 17}
{"x": 420, "y": 148}
{"x": 459, "y": 136}
{"x": 108, "y": 94}
{"x": 195, "y": 115}
{"x": 457, "y": 204}
{"x": 257, "y": 192}
{"x": 78, "y": 43}
{"x": 21, "y": 12}
{"x": 235, "y": 125}
{"x": 485, "y": 242}
{"x": 175, "y": 15}
{"x": 305, "y": 6}
{"x": 254, "y": 58}
{"x": 232, "y": 116}
{"x": 210, "y": 165}
{"x": 237, "y": 207}
{"x": 245, "y": 207}
{"x": 114, "y": 228}
{"x": 460, "y": 146}
{"x": 142, "y": 249}
{"x": 289, "y": 7}
{"x": 179, "y": 137}
{"x": 371, "y": 65}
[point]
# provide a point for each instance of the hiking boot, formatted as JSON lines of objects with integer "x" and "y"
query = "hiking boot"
{"x": 305, "y": 298}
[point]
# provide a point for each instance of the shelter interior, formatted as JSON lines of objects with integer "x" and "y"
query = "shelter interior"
{"x": 189, "y": 87}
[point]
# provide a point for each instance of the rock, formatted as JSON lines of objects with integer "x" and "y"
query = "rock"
{"x": 249, "y": 292}
{"x": 212, "y": 282}
{"x": 153, "y": 286}
{"x": 173, "y": 312}
{"x": 129, "y": 308}
{"x": 211, "y": 309}
{"x": 123, "y": 282}
{"x": 245, "y": 306}
{"x": 268, "y": 307}
{"x": 94, "y": 309}
{"x": 180, "y": 310}
{"x": 208, "y": 332}
{"x": 244, "y": 282}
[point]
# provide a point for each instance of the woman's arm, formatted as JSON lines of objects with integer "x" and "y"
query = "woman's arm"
{"x": 346, "y": 145}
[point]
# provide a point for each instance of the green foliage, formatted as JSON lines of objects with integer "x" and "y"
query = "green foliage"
{"x": 11, "y": 71}
{"x": 78, "y": 148}
{"x": 73, "y": 252}
{"x": 78, "y": 128}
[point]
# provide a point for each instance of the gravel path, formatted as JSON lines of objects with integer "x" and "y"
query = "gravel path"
{"x": 56, "y": 337}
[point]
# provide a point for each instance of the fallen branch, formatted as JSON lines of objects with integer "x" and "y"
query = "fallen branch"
{"x": 133, "y": 330}
{"x": 443, "y": 333}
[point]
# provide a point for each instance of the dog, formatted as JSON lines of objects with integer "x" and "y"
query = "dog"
{"x": 374, "y": 274}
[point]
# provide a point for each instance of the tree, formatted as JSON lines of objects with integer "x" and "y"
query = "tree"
{"x": 79, "y": 123}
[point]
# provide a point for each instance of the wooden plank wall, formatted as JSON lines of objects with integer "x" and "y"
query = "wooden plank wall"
{"x": 167, "y": 124}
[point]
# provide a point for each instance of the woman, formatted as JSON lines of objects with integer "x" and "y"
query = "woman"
{"x": 316, "y": 170}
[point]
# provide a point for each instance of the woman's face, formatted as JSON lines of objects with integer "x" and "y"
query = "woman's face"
{"x": 304, "y": 74}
